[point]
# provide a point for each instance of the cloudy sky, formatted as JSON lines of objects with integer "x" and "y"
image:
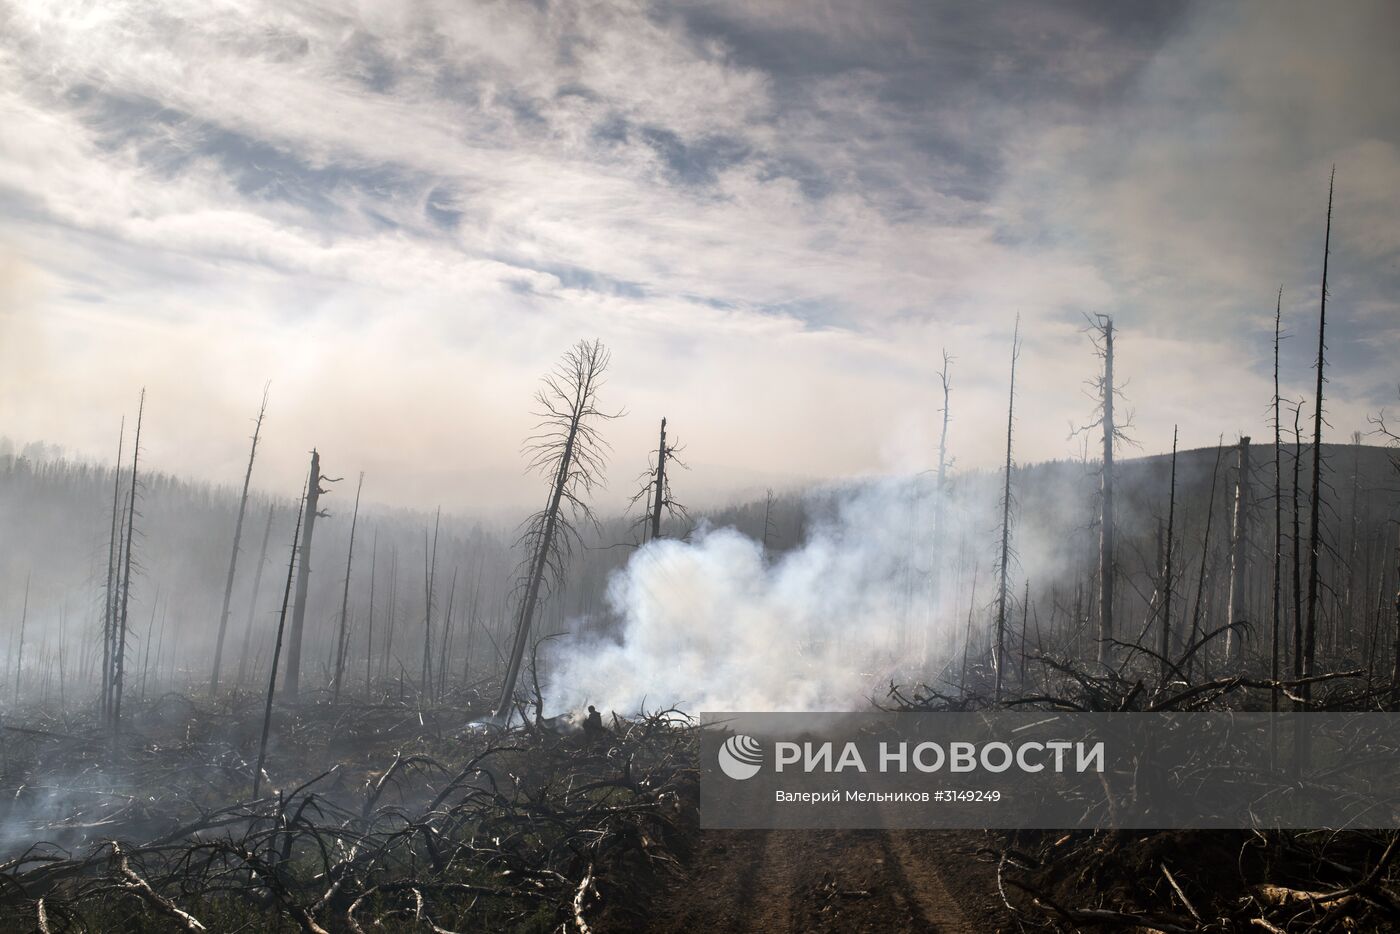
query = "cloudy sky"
{"x": 776, "y": 214}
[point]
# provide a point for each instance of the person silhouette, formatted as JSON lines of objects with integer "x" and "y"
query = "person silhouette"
{"x": 593, "y": 724}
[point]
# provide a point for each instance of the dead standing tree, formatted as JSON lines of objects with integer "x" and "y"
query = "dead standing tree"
{"x": 369, "y": 632}
{"x": 119, "y": 636}
{"x": 1104, "y": 391}
{"x": 233, "y": 557}
{"x": 23, "y": 619}
{"x": 291, "y": 685}
{"x": 109, "y": 614}
{"x": 568, "y": 448}
{"x": 1297, "y": 554}
{"x": 1004, "y": 560}
{"x": 767, "y": 520}
{"x": 277, "y": 648}
{"x": 429, "y": 589}
{"x": 1168, "y": 571}
{"x": 445, "y": 641}
{"x": 1276, "y": 608}
{"x": 1394, "y": 438}
{"x": 940, "y": 500}
{"x": 1315, "y": 506}
{"x": 1196, "y": 613}
{"x": 656, "y": 491}
{"x": 1239, "y": 563}
{"x": 1106, "y": 524}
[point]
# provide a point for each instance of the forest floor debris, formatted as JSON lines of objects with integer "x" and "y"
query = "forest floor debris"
{"x": 376, "y": 816}
{"x": 391, "y": 816}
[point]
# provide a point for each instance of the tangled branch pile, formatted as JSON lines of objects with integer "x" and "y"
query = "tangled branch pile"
{"x": 1184, "y": 881}
{"x": 1198, "y": 881}
{"x": 498, "y": 830}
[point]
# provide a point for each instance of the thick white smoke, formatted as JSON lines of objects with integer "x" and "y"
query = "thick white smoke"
{"x": 710, "y": 624}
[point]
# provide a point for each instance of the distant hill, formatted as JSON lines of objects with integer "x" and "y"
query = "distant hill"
{"x": 55, "y": 517}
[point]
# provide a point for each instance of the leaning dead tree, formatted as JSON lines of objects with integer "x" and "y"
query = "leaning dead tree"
{"x": 1239, "y": 562}
{"x": 1004, "y": 561}
{"x": 277, "y": 645}
{"x": 291, "y": 685}
{"x": 656, "y": 491}
{"x": 109, "y": 609}
{"x": 121, "y": 630}
{"x": 342, "y": 643}
{"x": 1315, "y": 506}
{"x": 233, "y": 556}
{"x": 568, "y": 448}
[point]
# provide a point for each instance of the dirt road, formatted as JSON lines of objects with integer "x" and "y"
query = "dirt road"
{"x": 870, "y": 880}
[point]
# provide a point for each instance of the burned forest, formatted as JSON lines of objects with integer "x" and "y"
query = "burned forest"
{"x": 399, "y": 741}
{"x": 669, "y": 467}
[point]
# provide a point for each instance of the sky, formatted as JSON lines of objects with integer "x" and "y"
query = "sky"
{"x": 777, "y": 215}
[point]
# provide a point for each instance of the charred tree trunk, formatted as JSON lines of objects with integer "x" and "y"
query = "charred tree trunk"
{"x": 660, "y": 483}
{"x": 369, "y": 633}
{"x": 109, "y": 615}
{"x": 243, "y": 656}
{"x": 146, "y": 660}
{"x": 291, "y": 684}
{"x": 1349, "y": 609}
{"x": 1239, "y": 562}
{"x": 1314, "y": 507}
{"x": 472, "y": 620}
{"x": 941, "y": 490}
{"x": 233, "y": 556}
{"x": 1168, "y": 571}
{"x": 390, "y": 610}
{"x": 445, "y": 643}
{"x": 655, "y": 493}
{"x": 1395, "y": 667}
{"x": 429, "y": 572}
{"x": 767, "y": 519}
{"x": 277, "y": 643}
{"x": 1196, "y": 613}
{"x": 1276, "y": 608}
{"x": 119, "y": 648}
{"x": 967, "y": 636}
{"x": 538, "y": 568}
{"x": 345, "y": 592}
{"x": 1297, "y": 548}
{"x": 569, "y": 450}
{"x": 1025, "y": 622}
{"x": 999, "y": 655}
{"x": 23, "y": 619}
{"x": 1106, "y": 526}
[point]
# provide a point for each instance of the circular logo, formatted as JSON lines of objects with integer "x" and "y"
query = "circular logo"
{"x": 740, "y": 757}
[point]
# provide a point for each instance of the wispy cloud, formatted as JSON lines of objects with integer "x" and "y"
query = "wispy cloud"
{"x": 777, "y": 212}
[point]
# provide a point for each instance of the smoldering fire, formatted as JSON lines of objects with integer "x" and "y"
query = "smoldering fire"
{"x": 931, "y": 757}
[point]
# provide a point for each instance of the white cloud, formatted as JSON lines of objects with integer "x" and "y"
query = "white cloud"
{"x": 401, "y": 213}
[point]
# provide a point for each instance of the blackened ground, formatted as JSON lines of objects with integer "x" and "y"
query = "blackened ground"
{"x": 789, "y": 880}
